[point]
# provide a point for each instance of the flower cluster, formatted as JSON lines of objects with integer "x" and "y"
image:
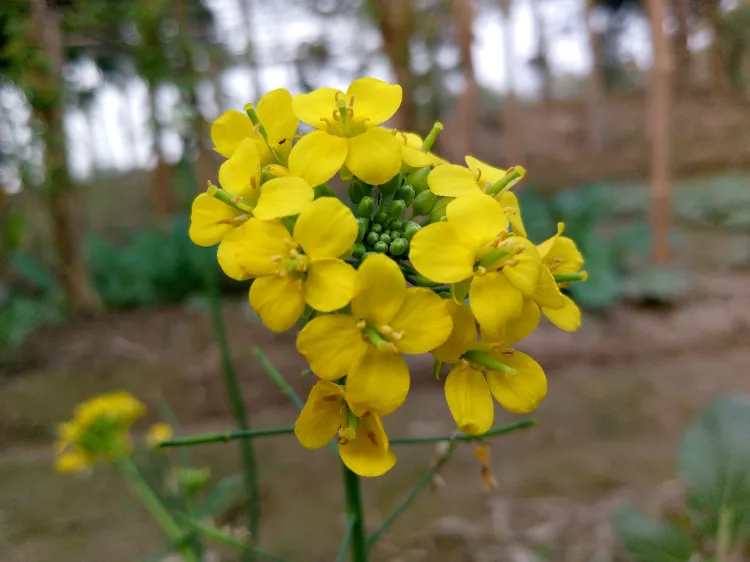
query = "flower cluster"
{"x": 424, "y": 257}
{"x": 99, "y": 431}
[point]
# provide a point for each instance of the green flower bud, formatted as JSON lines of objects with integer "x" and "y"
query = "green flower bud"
{"x": 375, "y": 227}
{"x": 381, "y": 247}
{"x": 396, "y": 224}
{"x": 418, "y": 179}
{"x": 373, "y": 238}
{"x": 358, "y": 250}
{"x": 396, "y": 234}
{"x": 399, "y": 246}
{"x": 395, "y": 208}
{"x": 390, "y": 187}
{"x": 323, "y": 190}
{"x": 357, "y": 190}
{"x": 438, "y": 212}
{"x": 381, "y": 217}
{"x": 410, "y": 229}
{"x": 424, "y": 202}
{"x": 385, "y": 238}
{"x": 405, "y": 193}
{"x": 362, "y": 223}
{"x": 366, "y": 207}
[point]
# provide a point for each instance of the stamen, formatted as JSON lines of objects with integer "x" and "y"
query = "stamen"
{"x": 397, "y": 335}
{"x": 481, "y": 270}
{"x": 512, "y": 262}
{"x": 351, "y": 102}
{"x": 520, "y": 248}
{"x": 325, "y": 120}
{"x": 555, "y": 264}
{"x": 331, "y": 398}
{"x": 509, "y": 210}
{"x": 371, "y": 435}
{"x": 392, "y": 347}
{"x": 338, "y": 95}
{"x": 254, "y": 181}
{"x": 293, "y": 253}
{"x": 350, "y": 112}
{"x": 224, "y": 221}
{"x": 361, "y": 325}
{"x": 335, "y": 114}
{"x": 479, "y": 174}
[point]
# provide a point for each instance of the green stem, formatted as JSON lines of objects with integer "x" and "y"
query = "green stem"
{"x": 376, "y": 339}
{"x": 224, "y": 436}
{"x": 426, "y": 480}
{"x": 494, "y": 432}
{"x": 153, "y": 504}
{"x": 271, "y": 370}
{"x": 485, "y": 359}
{"x": 346, "y": 541}
{"x": 249, "y": 463}
{"x": 238, "y": 203}
{"x": 565, "y": 277}
{"x": 429, "y": 140}
{"x": 250, "y": 110}
{"x": 353, "y": 497}
{"x": 516, "y": 173}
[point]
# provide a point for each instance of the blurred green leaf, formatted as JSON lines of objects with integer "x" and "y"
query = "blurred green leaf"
{"x": 650, "y": 540}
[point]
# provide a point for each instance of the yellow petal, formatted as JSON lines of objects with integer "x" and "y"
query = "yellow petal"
{"x": 374, "y": 99}
{"x": 443, "y": 253}
{"x": 369, "y": 453}
{"x": 374, "y": 156}
{"x": 312, "y": 107}
{"x": 565, "y": 255}
{"x": 320, "y": 418}
{"x": 248, "y": 250}
{"x": 545, "y": 247}
{"x": 423, "y": 320}
{"x": 240, "y": 175}
{"x": 279, "y": 301}
{"x": 522, "y": 391}
{"x": 494, "y": 301}
{"x": 524, "y": 274}
{"x": 522, "y": 326}
{"x": 509, "y": 202}
{"x": 567, "y": 318}
{"x": 378, "y": 382}
{"x": 317, "y": 157}
{"x": 379, "y": 290}
{"x": 469, "y": 400}
{"x": 479, "y": 215}
{"x": 329, "y": 285}
{"x": 72, "y": 461}
{"x": 277, "y": 117}
{"x": 282, "y": 197}
{"x": 484, "y": 173}
{"x": 210, "y": 220}
{"x": 451, "y": 180}
{"x": 547, "y": 293}
{"x": 326, "y": 228}
{"x": 463, "y": 333}
{"x": 331, "y": 343}
{"x": 229, "y": 130}
{"x": 415, "y": 158}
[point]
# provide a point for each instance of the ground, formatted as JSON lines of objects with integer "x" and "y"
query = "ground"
{"x": 621, "y": 391}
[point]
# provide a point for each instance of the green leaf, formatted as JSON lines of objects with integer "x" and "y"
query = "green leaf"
{"x": 715, "y": 463}
{"x": 650, "y": 540}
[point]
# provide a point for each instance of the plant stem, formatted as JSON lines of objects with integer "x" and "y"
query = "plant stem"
{"x": 494, "y": 432}
{"x": 564, "y": 277}
{"x": 153, "y": 504}
{"x": 346, "y": 541}
{"x": 512, "y": 175}
{"x": 249, "y": 464}
{"x": 224, "y": 436}
{"x": 485, "y": 359}
{"x": 277, "y": 378}
{"x": 353, "y": 497}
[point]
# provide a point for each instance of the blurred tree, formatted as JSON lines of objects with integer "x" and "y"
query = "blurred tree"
{"x": 515, "y": 150}
{"x": 595, "y": 84}
{"x": 463, "y": 29}
{"x": 711, "y": 11}
{"x": 540, "y": 61}
{"x": 737, "y": 44}
{"x": 683, "y": 59}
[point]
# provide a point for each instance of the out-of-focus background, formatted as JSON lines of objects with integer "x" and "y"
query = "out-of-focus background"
{"x": 632, "y": 119}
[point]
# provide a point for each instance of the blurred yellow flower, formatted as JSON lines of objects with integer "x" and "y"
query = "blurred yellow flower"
{"x": 72, "y": 461}
{"x": 293, "y": 269}
{"x": 363, "y": 443}
{"x": 157, "y": 433}
{"x": 411, "y": 151}
{"x": 473, "y": 247}
{"x": 387, "y": 319}
{"x": 347, "y": 134}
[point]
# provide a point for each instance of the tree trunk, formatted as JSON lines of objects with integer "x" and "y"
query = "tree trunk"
{"x": 60, "y": 193}
{"x": 660, "y": 123}
{"x": 594, "y": 86}
{"x": 161, "y": 180}
{"x": 396, "y": 22}
{"x": 541, "y": 59}
{"x": 515, "y": 150}
{"x": 683, "y": 60}
{"x": 710, "y": 10}
{"x": 256, "y": 85}
{"x": 463, "y": 26}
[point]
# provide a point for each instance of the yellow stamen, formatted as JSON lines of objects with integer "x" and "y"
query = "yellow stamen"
{"x": 481, "y": 270}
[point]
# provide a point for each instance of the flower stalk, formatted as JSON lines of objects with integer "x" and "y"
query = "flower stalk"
{"x": 353, "y": 498}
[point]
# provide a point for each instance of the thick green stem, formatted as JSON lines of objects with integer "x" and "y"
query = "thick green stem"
{"x": 431, "y": 137}
{"x": 154, "y": 505}
{"x": 353, "y": 497}
{"x": 565, "y": 277}
{"x": 485, "y": 359}
{"x": 515, "y": 174}
{"x": 494, "y": 432}
{"x": 224, "y": 436}
{"x": 249, "y": 463}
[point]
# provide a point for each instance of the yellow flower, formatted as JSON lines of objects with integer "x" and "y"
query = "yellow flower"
{"x": 275, "y": 113}
{"x": 473, "y": 248}
{"x": 412, "y": 154}
{"x": 212, "y": 219}
{"x": 347, "y": 134}
{"x": 454, "y": 181}
{"x": 363, "y": 443}
{"x": 72, "y": 461}
{"x": 157, "y": 433}
{"x": 387, "y": 319}
{"x": 293, "y": 269}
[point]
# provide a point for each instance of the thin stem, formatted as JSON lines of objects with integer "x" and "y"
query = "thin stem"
{"x": 485, "y": 359}
{"x": 224, "y": 436}
{"x": 346, "y": 541}
{"x": 494, "y": 432}
{"x": 426, "y": 480}
{"x": 250, "y": 110}
{"x": 153, "y": 504}
{"x": 353, "y": 497}
{"x": 271, "y": 370}
{"x": 249, "y": 463}
{"x": 565, "y": 277}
